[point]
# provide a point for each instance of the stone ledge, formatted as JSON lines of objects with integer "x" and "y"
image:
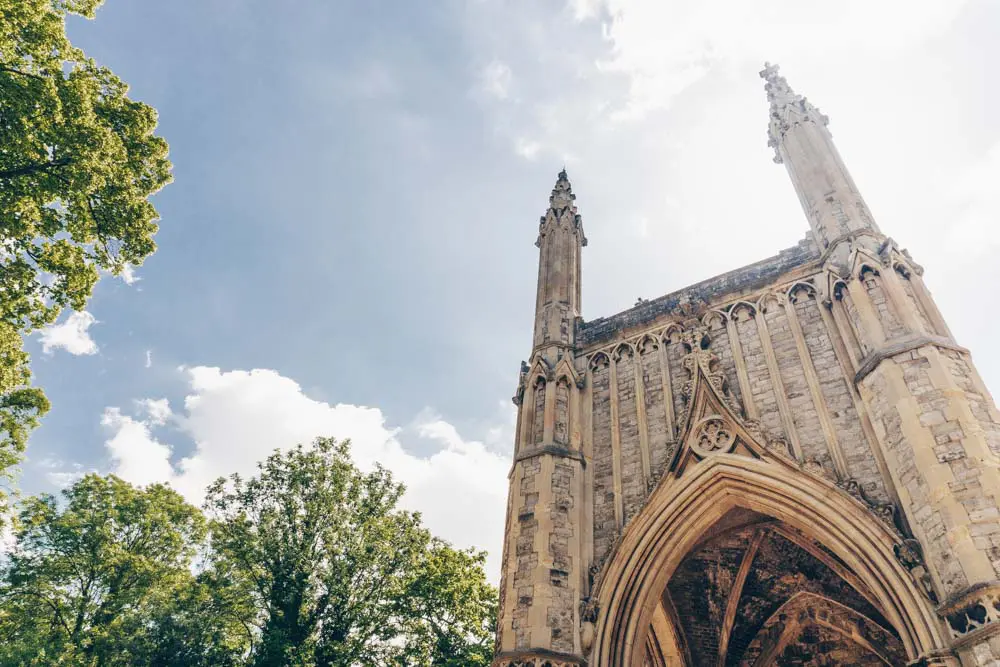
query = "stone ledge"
{"x": 551, "y": 450}
{"x": 872, "y": 361}
{"x": 977, "y": 636}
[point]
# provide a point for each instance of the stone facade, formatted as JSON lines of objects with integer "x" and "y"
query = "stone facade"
{"x": 791, "y": 463}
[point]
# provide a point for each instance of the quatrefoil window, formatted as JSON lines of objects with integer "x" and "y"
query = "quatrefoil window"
{"x": 712, "y": 435}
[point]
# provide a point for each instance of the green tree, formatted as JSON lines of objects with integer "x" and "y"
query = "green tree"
{"x": 92, "y": 579}
{"x": 78, "y": 163}
{"x": 338, "y": 574}
{"x": 450, "y": 609}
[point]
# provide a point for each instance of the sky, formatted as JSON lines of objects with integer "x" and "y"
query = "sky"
{"x": 347, "y": 247}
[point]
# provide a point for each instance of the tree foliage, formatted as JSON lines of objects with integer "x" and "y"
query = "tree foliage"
{"x": 78, "y": 163}
{"x": 88, "y": 574}
{"x": 338, "y": 575}
{"x": 309, "y": 562}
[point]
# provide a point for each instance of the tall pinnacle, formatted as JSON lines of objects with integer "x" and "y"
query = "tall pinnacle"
{"x": 562, "y": 194}
{"x": 787, "y": 107}
{"x": 798, "y": 133}
{"x": 560, "y": 237}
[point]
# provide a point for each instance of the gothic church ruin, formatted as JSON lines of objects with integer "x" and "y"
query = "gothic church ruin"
{"x": 793, "y": 463}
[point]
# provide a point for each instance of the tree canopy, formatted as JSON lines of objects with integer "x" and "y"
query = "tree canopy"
{"x": 309, "y": 562}
{"x": 78, "y": 163}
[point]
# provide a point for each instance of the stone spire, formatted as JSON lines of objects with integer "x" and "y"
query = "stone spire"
{"x": 798, "y": 133}
{"x": 560, "y": 238}
{"x": 786, "y": 106}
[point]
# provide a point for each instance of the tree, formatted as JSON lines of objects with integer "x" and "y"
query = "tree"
{"x": 450, "y": 609}
{"x": 339, "y": 575}
{"x": 87, "y": 582}
{"x": 78, "y": 163}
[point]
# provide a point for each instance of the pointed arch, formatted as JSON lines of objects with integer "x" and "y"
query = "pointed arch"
{"x": 622, "y": 350}
{"x": 599, "y": 360}
{"x": 714, "y": 319}
{"x": 565, "y": 369}
{"x": 861, "y": 259}
{"x": 742, "y": 310}
{"x": 764, "y": 302}
{"x": 796, "y": 288}
{"x": 671, "y": 333}
{"x": 682, "y": 508}
{"x": 648, "y": 344}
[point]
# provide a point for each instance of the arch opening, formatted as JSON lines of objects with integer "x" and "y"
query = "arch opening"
{"x": 756, "y": 592}
{"x": 753, "y": 562}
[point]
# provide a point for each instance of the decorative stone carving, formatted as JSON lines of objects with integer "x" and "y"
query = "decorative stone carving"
{"x": 755, "y": 428}
{"x": 712, "y": 435}
{"x": 852, "y": 488}
{"x": 589, "y": 610}
{"x": 522, "y": 381}
{"x": 778, "y": 446}
{"x": 592, "y": 573}
{"x": 699, "y": 357}
{"x": 911, "y": 556}
{"x": 972, "y": 609}
{"x": 688, "y": 307}
{"x": 815, "y": 467}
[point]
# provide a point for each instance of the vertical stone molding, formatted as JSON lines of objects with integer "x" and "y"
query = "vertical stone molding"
{"x": 784, "y": 409}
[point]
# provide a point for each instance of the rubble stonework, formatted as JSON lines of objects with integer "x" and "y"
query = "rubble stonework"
{"x": 795, "y": 453}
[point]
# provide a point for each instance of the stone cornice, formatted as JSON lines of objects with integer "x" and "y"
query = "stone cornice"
{"x": 872, "y": 361}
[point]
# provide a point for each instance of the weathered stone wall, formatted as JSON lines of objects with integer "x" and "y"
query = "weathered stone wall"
{"x": 538, "y": 412}
{"x": 605, "y": 527}
{"x": 560, "y": 616}
{"x": 760, "y": 379}
{"x": 859, "y": 457}
{"x": 796, "y": 385}
{"x": 932, "y": 450}
{"x": 659, "y": 433}
{"x": 560, "y": 432}
{"x": 632, "y": 483}
{"x": 525, "y": 553}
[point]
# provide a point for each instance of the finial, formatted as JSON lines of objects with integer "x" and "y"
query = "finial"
{"x": 779, "y": 93}
{"x": 786, "y": 105}
{"x": 562, "y": 194}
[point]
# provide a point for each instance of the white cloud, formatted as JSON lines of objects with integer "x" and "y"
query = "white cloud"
{"x": 128, "y": 275}
{"x": 61, "y": 474}
{"x": 495, "y": 80}
{"x": 138, "y": 457}
{"x": 665, "y": 46}
{"x": 71, "y": 335}
{"x": 157, "y": 410}
{"x": 237, "y": 418}
{"x": 527, "y": 149}
{"x": 974, "y": 228}
{"x": 149, "y": 358}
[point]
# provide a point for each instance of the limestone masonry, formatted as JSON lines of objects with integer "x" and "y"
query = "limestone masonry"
{"x": 793, "y": 463}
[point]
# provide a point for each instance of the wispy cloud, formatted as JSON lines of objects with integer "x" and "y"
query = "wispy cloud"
{"x": 495, "y": 80}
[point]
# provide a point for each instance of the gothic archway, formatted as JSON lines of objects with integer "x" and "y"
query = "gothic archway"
{"x": 724, "y": 494}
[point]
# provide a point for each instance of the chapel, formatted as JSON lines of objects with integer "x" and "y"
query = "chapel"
{"x": 792, "y": 463}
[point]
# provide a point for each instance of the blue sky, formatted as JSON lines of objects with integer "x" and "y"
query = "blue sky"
{"x": 347, "y": 247}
